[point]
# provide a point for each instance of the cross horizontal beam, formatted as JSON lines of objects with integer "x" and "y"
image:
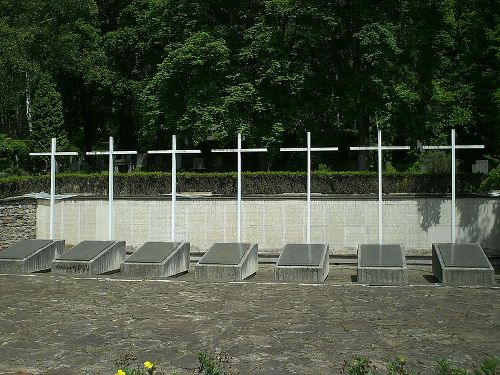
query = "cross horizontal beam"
{"x": 113, "y": 153}
{"x": 240, "y": 150}
{"x": 450, "y": 147}
{"x": 374, "y": 148}
{"x": 65, "y": 153}
{"x": 176, "y": 151}
{"x": 291, "y": 149}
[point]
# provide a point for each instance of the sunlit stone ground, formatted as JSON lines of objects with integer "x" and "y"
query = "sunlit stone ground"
{"x": 56, "y": 325}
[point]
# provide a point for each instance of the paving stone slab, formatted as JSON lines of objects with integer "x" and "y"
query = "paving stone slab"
{"x": 228, "y": 261}
{"x": 30, "y": 256}
{"x": 461, "y": 264}
{"x": 158, "y": 259}
{"x": 303, "y": 263}
{"x": 382, "y": 264}
{"x": 90, "y": 258}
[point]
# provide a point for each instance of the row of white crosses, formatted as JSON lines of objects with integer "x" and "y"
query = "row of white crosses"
{"x": 174, "y": 151}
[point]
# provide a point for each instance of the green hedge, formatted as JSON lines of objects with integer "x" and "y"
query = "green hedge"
{"x": 492, "y": 182}
{"x": 156, "y": 183}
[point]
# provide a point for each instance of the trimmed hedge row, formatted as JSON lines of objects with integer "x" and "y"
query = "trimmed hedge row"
{"x": 156, "y": 183}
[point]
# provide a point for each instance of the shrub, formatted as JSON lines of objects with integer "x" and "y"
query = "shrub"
{"x": 492, "y": 181}
{"x": 253, "y": 183}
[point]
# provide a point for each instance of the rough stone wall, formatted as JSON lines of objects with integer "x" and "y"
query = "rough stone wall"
{"x": 17, "y": 221}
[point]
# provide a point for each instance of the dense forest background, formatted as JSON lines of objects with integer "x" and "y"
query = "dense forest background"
{"x": 142, "y": 70}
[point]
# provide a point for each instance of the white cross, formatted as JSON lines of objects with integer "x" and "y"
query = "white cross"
{"x": 239, "y": 150}
{"x": 309, "y": 149}
{"x": 379, "y": 149}
{"x": 453, "y": 148}
{"x": 111, "y": 154}
{"x": 53, "y": 155}
{"x": 174, "y": 151}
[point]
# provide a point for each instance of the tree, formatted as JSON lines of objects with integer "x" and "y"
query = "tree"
{"x": 48, "y": 119}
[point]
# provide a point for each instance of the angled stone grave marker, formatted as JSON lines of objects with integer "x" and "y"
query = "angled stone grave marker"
{"x": 90, "y": 258}
{"x": 162, "y": 259}
{"x": 30, "y": 256}
{"x": 233, "y": 260}
{"x": 459, "y": 264}
{"x": 158, "y": 259}
{"x": 381, "y": 263}
{"x": 304, "y": 262}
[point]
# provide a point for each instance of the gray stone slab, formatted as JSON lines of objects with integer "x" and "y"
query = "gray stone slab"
{"x": 303, "y": 263}
{"x": 382, "y": 264}
{"x": 30, "y": 256}
{"x": 158, "y": 259}
{"x": 228, "y": 262}
{"x": 90, "y": 258}
{"x": 23, "y": 249}
{"x": 302, "y": 255}
{"x": 86, "y": 250}
{"x": 153, "y": 252}
{"x": 380, "y": 256}
{"x": 463, "y": 255}
{"x": 225, "y": 253}
{"x": 461, "y": 264}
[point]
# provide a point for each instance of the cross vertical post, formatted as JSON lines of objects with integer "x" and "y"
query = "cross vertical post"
{"x": 53, "y": 153}
{"x": 174, "y": 151}
{"x": 453, "y": 148}
{"x": 308, "y": 149}
{"x": 111, "y": 153}
{"x": 239, "y": 150}
{"x": 379, "y": 149}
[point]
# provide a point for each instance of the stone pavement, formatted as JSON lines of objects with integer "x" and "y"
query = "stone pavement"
{"x": 62, "y": 325}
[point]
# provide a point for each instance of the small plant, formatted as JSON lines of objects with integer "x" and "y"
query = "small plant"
{"x": 490, "y": 366}
{"x": 358, "y": 366}
{"x": 214, "y": 363}
{"x": 207, "y": 365}
{"x": 125, "y": 363}
{"x": 445, "y": 368}
{"x": 398, "y": 366}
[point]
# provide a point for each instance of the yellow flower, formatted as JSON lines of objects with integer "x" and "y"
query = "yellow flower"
{"x": 121, "y": 372}
{"x": 148, "y": 365}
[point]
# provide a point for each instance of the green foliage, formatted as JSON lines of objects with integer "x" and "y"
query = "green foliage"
{"x": 207, "y": 365}
{"x": 48, "y": 119}
{"x": 445, "y": 368}
{"x": 13, "y": 155}
{"x": 492, "y": 181}
{"x": 156, "y": 183}
{"x": 142, "y": 70}
{"x": 398, "y": 366}
{"x": 359, "y": 365}
{"x": 433, "y": 162}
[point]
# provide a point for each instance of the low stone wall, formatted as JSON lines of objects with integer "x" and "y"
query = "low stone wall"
{"x": 17, "y": 220}
{"x": 343, "y": 222}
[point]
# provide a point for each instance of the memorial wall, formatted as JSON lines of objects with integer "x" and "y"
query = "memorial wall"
{"x": 343, "y": 222}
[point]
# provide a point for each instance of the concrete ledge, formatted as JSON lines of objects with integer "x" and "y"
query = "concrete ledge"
{"x": 215, "y": 265}
{"x": 296, "y": 264}
{"x": 468, "y": 265}
{"x": 90, "y": 258}
{"x": 382, "y": 265}
{"x": 30, "y": 256}
{"x": 175, "y": 260}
